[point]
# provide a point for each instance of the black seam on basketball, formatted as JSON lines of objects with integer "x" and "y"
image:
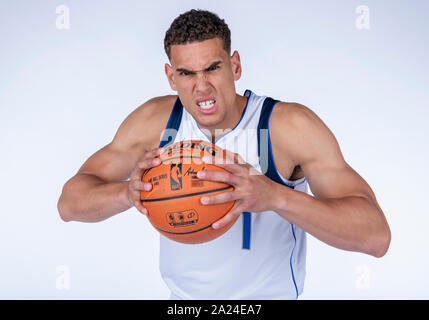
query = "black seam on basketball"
{"x": 146, "y": 171}
{"x": 186, "y": 195}
{"x": 180, "y": 157}
{"x": 181, "y": 233}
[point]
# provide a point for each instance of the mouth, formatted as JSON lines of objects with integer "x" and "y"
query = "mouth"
{"x": 207, "y": 106}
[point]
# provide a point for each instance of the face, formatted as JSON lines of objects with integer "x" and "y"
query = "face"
{"x": 203, "y": 71}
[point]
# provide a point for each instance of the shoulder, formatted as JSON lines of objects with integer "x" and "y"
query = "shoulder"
{"x": 144, "y": 125}
{"x": 293, "y": 115}
{"x": 300, "y": 132}
{"x": 152, "y": 109}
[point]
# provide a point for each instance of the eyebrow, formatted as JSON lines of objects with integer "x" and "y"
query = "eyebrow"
{"x": 214, "y": 64}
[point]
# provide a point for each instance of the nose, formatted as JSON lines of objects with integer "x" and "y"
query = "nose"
{"x": 202, "y": 83}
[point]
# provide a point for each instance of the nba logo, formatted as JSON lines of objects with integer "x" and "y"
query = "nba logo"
{"x": 176, "y": 176}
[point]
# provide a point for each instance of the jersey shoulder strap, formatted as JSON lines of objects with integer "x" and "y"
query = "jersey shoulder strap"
{"x": 173, "y": 124}
{"x": 265, "y": 154}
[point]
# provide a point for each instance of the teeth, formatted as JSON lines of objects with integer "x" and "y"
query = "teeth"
{"x": 206, "y": 104}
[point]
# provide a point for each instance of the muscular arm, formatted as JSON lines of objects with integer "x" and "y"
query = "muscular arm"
{"x": 92, "y": 195}
{"x": 99, "y": 189}
{"x": 344, "y": 212}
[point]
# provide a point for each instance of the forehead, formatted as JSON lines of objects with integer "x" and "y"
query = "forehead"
{"x": 197, "y": 55}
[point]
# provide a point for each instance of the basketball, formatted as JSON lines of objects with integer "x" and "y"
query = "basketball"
{"x": 173, "y": 204}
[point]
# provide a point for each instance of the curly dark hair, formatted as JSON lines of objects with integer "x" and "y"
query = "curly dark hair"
{"x": 194, "y": 26}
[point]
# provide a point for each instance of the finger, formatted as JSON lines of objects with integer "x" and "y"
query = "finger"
{"x": 144, "y": 161}
{"x": 144, "y": 165}
{"x": 140, "y": 208}
{"x": 226, "y": 177}
{"x": 230, "y": 216}
{"x": 153, "y": 153}
{"x": 148, "y": 162}
{"x": 220, "y": 198}
{"x": 139, "y": 185}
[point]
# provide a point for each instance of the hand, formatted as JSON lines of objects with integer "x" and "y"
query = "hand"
{"x": 149, "y": 160}
{"x": 253, "y": 191}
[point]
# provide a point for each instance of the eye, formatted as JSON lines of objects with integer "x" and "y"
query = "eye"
{"x": 184, "y": 73}
{"x": 213, "y": 68}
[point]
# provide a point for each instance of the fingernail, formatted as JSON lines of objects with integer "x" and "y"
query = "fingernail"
{"x": 215, "y": 225}
{"x": 156, "y": 161}
{"x": 204, "y": 200}
{"x": 147, "y": 186}
{"x": 160, "y": 150}
{"x": 201, "y": 174}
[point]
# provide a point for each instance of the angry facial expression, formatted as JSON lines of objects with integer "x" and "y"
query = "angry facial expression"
{"x": 204, "y": 77}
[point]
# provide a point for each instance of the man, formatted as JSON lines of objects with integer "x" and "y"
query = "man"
{"x": 263, "y": 255}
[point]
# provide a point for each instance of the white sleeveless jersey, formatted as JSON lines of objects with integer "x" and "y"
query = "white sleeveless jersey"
{"x": 262, "y": 256}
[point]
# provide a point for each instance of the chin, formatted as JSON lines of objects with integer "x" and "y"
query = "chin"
{"x": 208, "y": 121}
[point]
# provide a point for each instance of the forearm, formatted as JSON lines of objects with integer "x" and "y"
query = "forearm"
{"x": 87, "y": 198}
{"x": 350, "y": 223}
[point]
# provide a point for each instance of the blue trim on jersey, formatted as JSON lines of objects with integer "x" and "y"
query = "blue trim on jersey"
{"x": 173, "y": 123}
{"x": 290, "y": 260}
{"x": 272, "y": 172}
{"x": 264, "y": 119}
{"x": 247, "y": 222}
{"x": 242, "y": 116}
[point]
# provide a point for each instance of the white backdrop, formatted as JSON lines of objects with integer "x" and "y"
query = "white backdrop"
{"x": 64, "y": 92}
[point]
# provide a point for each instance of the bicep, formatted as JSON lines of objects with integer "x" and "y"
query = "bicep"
{"x": 328, "y": 179}
{"x": 110, "y": 163}
{"x": 320, "y": 157}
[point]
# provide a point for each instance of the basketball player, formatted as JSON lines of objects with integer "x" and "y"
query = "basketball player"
{"x": 263, "y": 255}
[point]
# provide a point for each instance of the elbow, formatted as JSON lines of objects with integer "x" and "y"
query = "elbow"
{"x": 62, "y": 210}
{"x": 381, "y": 245}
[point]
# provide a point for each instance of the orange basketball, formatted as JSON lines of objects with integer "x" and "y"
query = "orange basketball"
{"x": 173, "y": 204}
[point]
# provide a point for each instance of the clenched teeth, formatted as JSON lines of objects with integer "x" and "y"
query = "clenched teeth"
{"x": 206, "y": 104}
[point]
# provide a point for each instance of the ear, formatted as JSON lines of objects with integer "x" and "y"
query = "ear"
{"x": 170, "y": 78}
{"x": 236, "y": 65}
